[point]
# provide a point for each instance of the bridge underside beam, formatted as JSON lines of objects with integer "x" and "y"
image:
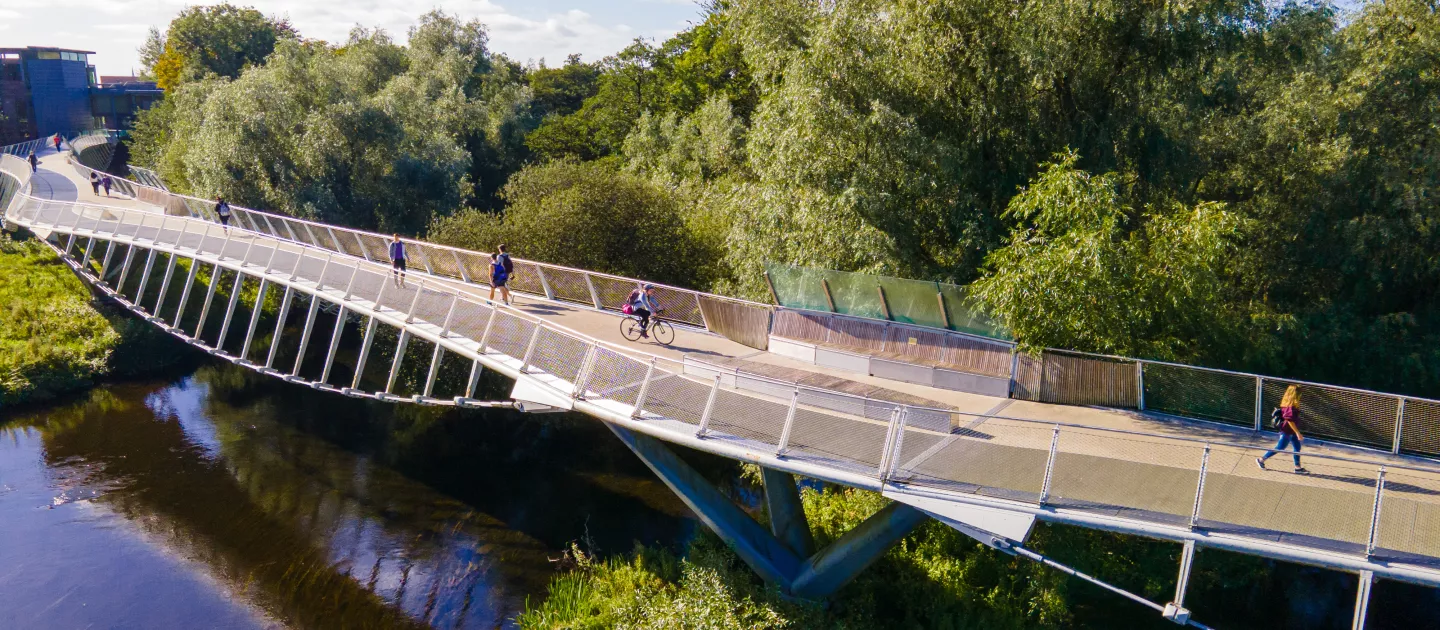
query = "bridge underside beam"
{"x": 819, "y": 575}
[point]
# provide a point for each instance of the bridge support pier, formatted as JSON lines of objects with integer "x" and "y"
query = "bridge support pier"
{"x": 787, "y": 514}
{"x": 799, "y": 573}
{"x": 1362, "y": 600}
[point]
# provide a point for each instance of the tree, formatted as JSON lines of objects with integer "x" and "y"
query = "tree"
{"x": 591, "y": 216}
{"x": 221, "y": 39}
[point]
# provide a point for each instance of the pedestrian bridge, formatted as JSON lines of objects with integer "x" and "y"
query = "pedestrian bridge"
{"x": 988, "y": 465}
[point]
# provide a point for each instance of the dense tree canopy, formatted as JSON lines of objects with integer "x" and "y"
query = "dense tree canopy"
{"x": 211, "y": 40}
{"x": 1235, "y": 182}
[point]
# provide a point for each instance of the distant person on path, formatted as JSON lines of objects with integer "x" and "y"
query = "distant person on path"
{"x": 95, "y": 182}
{"x": 500, "y": 270}
{"x": 106, "y": 182}
{"x": 57, "y": 143}
{"x": 34, "y": 164}
{"x": 397, "y": 260}
{"x": 642, "y": 304}
{"x": 222, "y": 210}
{"x": 1289, "y": 416}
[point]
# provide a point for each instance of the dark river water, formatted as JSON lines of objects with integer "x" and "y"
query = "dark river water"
{"x": 221, "y": 500}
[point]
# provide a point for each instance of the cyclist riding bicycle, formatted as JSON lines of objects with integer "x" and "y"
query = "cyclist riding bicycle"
{"x": 642, "y": 304}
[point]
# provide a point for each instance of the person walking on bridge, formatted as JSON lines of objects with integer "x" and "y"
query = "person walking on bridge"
{"x": 106, "y": 183}
{"x": 1288, "y": 417}
{"x": 34, "y": 165}
{"x": 222, "y": 210}
{"x": 57, "y": 143}
{"x": 95, "y": 182}
{"x": 397, "y": 260}
{"x": 500, "y": 269}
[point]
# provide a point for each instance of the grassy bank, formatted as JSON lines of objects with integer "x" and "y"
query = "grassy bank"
{"x": 55, "y": 337}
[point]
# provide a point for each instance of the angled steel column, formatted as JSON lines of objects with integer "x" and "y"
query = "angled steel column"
{"x": 230, "y": 310}
{"x": 434, "y": 370}
{"x": 834, "y": 566}
{"x": 364, "y": 352}
{"x": 334, "y": 343}
{"x": 1187, "y": 560}
{"x": 305, "y": 335}
{"x": 165, "y": 286}
{"x": 399, "y": 357}
{"x": 125, "y": 269}
{"x": 475, "y": 369}
{"x": 279, "y": 325}
{"x": 787, "y": 514}
{"x": 185, "y": 292}
{"x": 209, "y": 297}
{"x": 105, "y": 266}
{"x": 1362, "y": 600}
{"x": 145, "y": 277}
{"x": 89, "y": 248}
{"x": 761, "y": 551}
{"x": 254, "y": 318}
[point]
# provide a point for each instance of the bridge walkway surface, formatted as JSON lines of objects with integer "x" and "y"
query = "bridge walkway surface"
{"x": 1148, "y": 474}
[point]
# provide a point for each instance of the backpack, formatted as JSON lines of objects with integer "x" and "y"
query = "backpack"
{"x": 505, "y": 262}
{"x": 1277, "y": 419}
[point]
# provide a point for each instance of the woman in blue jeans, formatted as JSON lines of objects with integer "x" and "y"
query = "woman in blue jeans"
{"x": 1289, "y": 429}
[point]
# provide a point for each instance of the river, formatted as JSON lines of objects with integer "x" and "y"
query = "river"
{"x": 223, "y": 499}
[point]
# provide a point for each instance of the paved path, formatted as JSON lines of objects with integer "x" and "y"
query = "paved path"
{"x": 986, "y": 448}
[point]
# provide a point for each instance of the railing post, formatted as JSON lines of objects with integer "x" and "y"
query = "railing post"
{"x": 363, "y": 252}
{"x": 489, "y": 324}
{"x": 829, "y": 299}
{"x": 284, "y": 313}
{"x": 770, "y": 284}
{"x": 1050, "y": 465}
{"x": 351, "y": 284}
{"x": 410, "y": 314}
{"x": 335, "y": 334}
{"x": 1259, "y": 399}
{"x": 1200, "y": 488}
{"x": 333, "y": 240}
{"x": 1375, "y": 513}
{"x": 784, "y": 444}
{"x": 594, "y": 295}
{"x": 1140, "y": 384}
{"x": 884, "y": 305}
{"x": 583, "y": 376}
{"x": 1399, "y": 426}
{"x": 459, "y": 264}
{"x": 944, "y": 312}
{"x": 709, "y": 408}
{"x": 894, "y": 442}
{"x": 364, "y": 352}
{"x": 544, "y": 283}
{"x": 644, "y": 390}
{"x": 449, "y": 315}
{"x": 530, "y": 349}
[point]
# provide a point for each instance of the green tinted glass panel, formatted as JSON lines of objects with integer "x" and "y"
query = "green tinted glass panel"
{"x": 855, "y": 294}
{"x": 966, "y": 317}
{"x": 913, "y": 301}
{"x": 797, "y": 287}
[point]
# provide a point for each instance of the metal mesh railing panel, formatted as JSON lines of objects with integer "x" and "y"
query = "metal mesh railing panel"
{"x": 613, "y": 291}
{"x": 1339, "y": 414}
{"x": 1218, "y": 396}
{"x": 614, "y": 376}
{"x": 678, "y": 305}
{"x": 673, "y": 396}
{"x": 1145, "y": 479}
{"x": 851, "y": 443}
{"x": 511, "y": 335}
{"x": 1333, "y": 503}
{"x": 368, "y": 285}
{"x": 470, "y": 319}
{"x": 1004, "y": 460}
{"x": 442, "y": 262}
{"x": 748, "y": 417}
{"x": 525, "y": 279}
{"x": 478, "y": 266}
{"x": 1420, "y": 433}
{"x": 558, "y": 354}
{"x": 569, "y": 286}
{"x": 434, "y": 305}
{"x": 377, "y": 248}
{"x": 347, "y": 243}
{"x": 1409, "y": 516}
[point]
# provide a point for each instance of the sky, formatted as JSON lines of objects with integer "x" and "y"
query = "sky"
{"x": 525, "y": 30}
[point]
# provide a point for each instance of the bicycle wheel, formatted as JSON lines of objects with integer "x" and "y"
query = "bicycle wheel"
{"x": 630, "y": 328}
{"x": 663, "y": 333}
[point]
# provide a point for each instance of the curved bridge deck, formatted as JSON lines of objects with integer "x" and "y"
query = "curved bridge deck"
{"x": 1122, "y": 471}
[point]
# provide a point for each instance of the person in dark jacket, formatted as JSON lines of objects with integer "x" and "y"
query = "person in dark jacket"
{"x": 57, "y": 143}
{"x": 106, "y": 182}
{"x": 397, "y": 260}
{"x": 222, "y": 210}
{"x": 34, "y": 165}
{"x": 95, "y": 182}
{"x": 1289, "y": 429}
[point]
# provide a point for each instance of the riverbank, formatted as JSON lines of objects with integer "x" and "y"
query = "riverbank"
{"x": 56, "y": 337}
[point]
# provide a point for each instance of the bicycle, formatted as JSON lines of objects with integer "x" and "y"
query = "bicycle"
{"x": 661, "y": 332}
